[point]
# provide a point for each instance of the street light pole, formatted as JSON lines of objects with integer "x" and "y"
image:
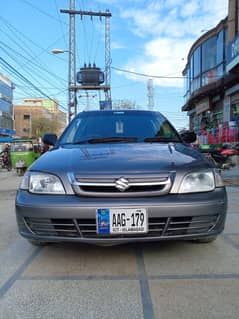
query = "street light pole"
{"x": 72, "y": 98}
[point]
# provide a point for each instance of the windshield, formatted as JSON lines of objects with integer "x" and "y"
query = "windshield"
{"x": 21, "y": 146}
{"x": 119, "y": 126}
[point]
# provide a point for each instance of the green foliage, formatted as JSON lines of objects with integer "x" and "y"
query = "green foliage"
{"x": 42, "y": 125}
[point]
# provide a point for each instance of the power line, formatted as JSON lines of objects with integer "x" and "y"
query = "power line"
{"x": 61, "y": 24}
{"x": 148, "y": 75}
{"x": 39, "y": 68}
{"x": 159, "y": 76}
{"x": 29, "y": 62}
{"x": 46, "y": 88}
{"x": 24, "y": 37}
{"x": 41, "y": 11}
{"x": 15, "y": 32}
{"x": 27, "y": 81}
{"x": 29, "y": 72}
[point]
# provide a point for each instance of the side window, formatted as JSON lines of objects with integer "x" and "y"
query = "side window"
{"x": 166, "y": 131}
{"x": 71, "y": 135}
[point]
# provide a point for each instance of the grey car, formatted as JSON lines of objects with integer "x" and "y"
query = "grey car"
{"x": 118, "y": 176}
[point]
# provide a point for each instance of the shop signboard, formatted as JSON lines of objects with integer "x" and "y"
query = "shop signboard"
{"x": 232, "y": 54}
{"x": 6, "y": 131}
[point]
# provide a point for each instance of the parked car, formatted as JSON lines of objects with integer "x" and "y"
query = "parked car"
{"x": 121, "y": 176}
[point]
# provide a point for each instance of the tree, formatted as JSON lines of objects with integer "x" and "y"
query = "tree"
{"x": 42, "y": 125}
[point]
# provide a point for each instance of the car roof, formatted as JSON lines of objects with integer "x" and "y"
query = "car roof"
{"x": 119, "y": 111}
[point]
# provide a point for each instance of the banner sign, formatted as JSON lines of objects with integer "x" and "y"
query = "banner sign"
{"x": 232, "y": 54}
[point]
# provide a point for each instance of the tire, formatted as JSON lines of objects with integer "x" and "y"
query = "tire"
{"x": 205, "y": 240}
{"x": 35, "y": 242}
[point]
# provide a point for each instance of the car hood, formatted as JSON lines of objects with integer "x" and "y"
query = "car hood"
{"x": 131, "y": 158}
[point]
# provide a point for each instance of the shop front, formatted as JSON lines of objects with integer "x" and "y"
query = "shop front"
{"x": 216, "y": 120}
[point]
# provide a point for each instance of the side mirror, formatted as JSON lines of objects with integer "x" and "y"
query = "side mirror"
{"x": 188, "y": 136}
{"x": 49, "y": 139}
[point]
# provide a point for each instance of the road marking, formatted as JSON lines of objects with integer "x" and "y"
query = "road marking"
{"x": 16, "y": 276}
{"x": 147, "y": 304}
{"x": 133, "y": 278}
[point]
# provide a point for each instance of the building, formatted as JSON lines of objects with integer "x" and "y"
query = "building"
{"x": 35, "y": 116}
{"x": 6, "y": 96}
{"x": 212, "y": 82}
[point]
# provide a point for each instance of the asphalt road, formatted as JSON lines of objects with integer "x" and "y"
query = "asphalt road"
{"x": 179, "y": 280}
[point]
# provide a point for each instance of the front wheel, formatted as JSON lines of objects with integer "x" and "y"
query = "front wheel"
{"x": 205, "y": 240}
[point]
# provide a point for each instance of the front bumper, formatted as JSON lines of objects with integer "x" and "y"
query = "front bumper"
{"x": 72, "y": 218}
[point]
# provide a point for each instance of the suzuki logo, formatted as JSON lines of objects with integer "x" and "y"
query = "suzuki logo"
{"x": 122, "y": 184}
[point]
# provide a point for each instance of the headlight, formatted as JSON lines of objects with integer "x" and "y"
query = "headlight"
{"x": 218, "y": 178}
{"x": 42, "y": 183}
{"x": 198, "y": 182}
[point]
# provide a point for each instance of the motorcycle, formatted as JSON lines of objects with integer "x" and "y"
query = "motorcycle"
{"x": 219, "y": 156}
{"x": 5, "y": 161}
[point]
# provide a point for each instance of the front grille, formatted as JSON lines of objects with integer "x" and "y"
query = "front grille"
{"x": 157, "y": 227}
{"x": 127, "y": 186}
{"x": 131, "y": 190}
{"x": 191, "y": 225}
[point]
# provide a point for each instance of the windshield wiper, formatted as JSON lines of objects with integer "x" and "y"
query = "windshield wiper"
{"x": 111, "y": 139}
{"x": 160, "y": 139}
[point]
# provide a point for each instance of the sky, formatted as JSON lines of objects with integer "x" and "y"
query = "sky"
{"x": 149, "y": 39}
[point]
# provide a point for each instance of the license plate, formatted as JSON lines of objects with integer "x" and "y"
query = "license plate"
{"x": 121, "y": 220}
{"x": 20, "y": 164}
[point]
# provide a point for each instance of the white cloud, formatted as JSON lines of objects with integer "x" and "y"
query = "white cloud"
{"x": 190, "y": 9}
{"x": 162, "y": 57}
{"x": 175, "y": 17}
{"x": 172, "y": 26}
{"x": 143, "y": 22}
{"x": 174, "y": 3}
{"x": 117, "y": 45}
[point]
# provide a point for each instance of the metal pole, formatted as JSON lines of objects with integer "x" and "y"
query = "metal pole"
{"x": 72, "y": 99}
{"x": 107, "y": 59}
{"x": 72, "y": 88}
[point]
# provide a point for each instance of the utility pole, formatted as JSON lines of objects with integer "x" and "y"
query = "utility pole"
{"x": 150, "y": 94}
{"x": 72, "y": 98}
{"x": 107, "y": 58}
{"x": 72, "y": 87}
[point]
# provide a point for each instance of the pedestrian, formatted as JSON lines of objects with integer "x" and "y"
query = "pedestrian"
{"x": 6, "y": 159}
{"x": 45, "y": 148}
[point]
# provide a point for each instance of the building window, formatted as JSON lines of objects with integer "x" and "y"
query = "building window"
{"x": 209, "y": 76}
{"x": 196, "y": 62}
{"x": 220, "y": 47}
{"x": 235, "y": 111}
{"x": 26, "y": 116}
{"x": 187, "y": 84}
{"x": 196, "y": 84}
{"x": 209, "y": 54}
